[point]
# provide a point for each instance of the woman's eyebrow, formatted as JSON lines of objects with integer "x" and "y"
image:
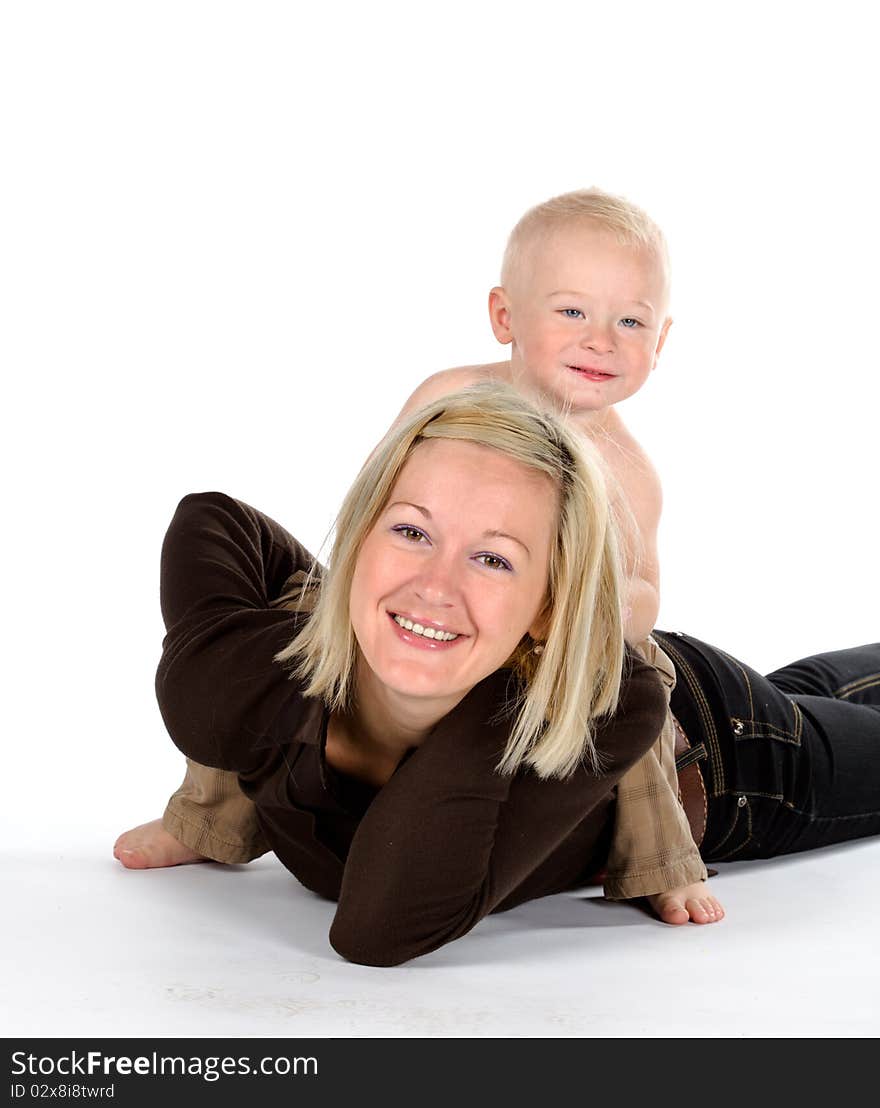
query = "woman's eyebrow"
{"x": 492, "y": 534}
{"x": 409, "y": 504}
{"x": 504, "y": 535}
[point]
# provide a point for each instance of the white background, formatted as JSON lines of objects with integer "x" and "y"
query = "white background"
{"x": 235, "y": 236}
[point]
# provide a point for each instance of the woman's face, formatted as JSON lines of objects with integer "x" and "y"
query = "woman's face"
{"x": 454, "y": 572}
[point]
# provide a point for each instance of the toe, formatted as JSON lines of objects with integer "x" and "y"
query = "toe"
{"x": 674, "y": 912}
{"x": 704, "y": 910}
{"x": 132, "y": 859}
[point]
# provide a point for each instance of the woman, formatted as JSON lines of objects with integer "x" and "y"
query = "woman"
{"x": 433, "y": 756}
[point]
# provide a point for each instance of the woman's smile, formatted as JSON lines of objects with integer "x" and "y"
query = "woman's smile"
{"x": 425, "y": 633}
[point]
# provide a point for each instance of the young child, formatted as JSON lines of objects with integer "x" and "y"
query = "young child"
{"x": 583, "y": 304}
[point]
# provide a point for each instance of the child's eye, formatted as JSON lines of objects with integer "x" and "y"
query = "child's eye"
{"x": 410, "y": 533}
{"x": 630, "y": 322}
{"x": 493, "y": 561}
{"x": 573, "y": 313}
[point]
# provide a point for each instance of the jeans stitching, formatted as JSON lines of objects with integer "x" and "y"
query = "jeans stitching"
{"x": 830, "y": 819}
{"x": 799, "y": 717}
{"x": 746, "y": 679}
{"x": 705, "y": 714}
{"x": 872, "y": 677}
{"x": 761, "y": 730}
{"x": 716, "y": 857}
{"x": 794, "y": 736}
{"x": 854, "y": 687}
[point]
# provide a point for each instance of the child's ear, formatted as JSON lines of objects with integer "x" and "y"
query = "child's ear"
{"x": 499, "y": 314}
{"x": 664, "y": 331}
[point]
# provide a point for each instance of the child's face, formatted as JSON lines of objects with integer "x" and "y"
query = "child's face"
{"x": 586, "y": 316}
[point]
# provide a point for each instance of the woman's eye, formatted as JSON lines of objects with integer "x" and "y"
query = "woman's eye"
{"x": 411, "y": 534}
{"x": 629, "y": 322}
{"x": 492, "y": 561}
{"x": 573, "y": 313}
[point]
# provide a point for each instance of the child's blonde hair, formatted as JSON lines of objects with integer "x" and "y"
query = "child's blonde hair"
{"x": 576, "y": 676}
{"x": 631, "y": 225}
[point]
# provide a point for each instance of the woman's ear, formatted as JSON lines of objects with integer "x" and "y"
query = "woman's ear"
{"x": 540, "y": 627}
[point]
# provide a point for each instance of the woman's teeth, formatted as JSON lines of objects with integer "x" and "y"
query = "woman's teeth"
{"x": 425, "y": 632}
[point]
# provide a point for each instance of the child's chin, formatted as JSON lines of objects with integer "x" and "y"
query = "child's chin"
{"x": 580, "y": 399}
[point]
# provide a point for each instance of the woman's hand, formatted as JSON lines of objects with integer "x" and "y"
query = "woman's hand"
{"x": 690, "y": 903}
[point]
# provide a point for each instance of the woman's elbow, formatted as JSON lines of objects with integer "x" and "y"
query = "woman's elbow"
{"x": 192, "y": 734}
{"x": 390, "y": 933}
{"x": 365, "y": 950}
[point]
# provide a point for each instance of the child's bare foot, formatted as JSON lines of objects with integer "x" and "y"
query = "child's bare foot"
{"x": 692, "y": 902}
{"x": 151, "y": 847}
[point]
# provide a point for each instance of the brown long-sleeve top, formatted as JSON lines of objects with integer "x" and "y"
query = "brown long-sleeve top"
{"x": 447, "y": 840}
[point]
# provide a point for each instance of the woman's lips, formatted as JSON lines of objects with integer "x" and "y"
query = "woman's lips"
{"x": 419, "y": 639}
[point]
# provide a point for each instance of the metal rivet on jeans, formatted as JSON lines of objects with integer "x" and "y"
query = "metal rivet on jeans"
{"x": 741, "y": 802}
{"x": 738, "y": 727}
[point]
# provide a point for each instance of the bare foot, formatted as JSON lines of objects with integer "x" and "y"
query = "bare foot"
{"x": 151, "y": 847}
{"x": 692, "y": 902}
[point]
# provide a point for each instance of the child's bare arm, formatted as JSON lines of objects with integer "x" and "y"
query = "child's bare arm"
{"x": 641, "y": 486}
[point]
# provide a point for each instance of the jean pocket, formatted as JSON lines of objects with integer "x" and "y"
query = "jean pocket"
{"x": 767, "y": 748}
{"x": 740, "y": 834}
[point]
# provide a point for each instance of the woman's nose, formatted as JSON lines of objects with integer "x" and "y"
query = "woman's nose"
{"x": 437, "y": 583}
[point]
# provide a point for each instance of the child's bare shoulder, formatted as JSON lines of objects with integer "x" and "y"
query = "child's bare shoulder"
{"x": 451, "y": 380}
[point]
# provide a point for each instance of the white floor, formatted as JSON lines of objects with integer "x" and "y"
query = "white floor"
{"x": 95, "y": 950}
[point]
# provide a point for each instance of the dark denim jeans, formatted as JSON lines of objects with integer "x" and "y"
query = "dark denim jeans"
{"x": 791, "y": 761}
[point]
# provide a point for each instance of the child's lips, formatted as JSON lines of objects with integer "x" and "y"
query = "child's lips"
{"x": 591, "y": 373}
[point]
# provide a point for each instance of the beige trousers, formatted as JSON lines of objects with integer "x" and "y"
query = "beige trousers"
{"x": 211, "y": 815}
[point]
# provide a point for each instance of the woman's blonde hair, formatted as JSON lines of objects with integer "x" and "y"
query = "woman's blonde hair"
{"x": 576, "y": 676}
{"x": 631, "y": 225}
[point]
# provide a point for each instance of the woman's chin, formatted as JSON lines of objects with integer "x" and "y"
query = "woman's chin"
{"x": 417, "y": 680}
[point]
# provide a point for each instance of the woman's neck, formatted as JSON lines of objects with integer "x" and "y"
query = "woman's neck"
{"x": 370, "y": 740}
{"x": 386, "y": 721}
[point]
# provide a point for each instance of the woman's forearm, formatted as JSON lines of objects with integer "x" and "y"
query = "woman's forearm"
{"x": 448, "y": 839}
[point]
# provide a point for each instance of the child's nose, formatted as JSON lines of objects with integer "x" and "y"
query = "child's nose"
{"x": 597, "y": 337}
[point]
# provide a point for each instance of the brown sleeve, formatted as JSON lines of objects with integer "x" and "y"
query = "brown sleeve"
{"x": 221, "y": 694}
{"x": 448, "y": 839}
